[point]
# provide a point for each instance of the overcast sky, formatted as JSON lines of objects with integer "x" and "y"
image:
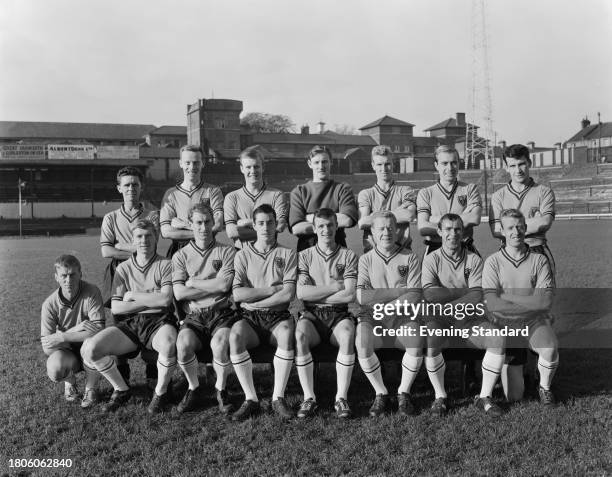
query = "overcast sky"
{"x": 342, "y": 62}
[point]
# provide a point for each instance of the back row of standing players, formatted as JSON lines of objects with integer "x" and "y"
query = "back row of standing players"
{"x": 326, "y": 275}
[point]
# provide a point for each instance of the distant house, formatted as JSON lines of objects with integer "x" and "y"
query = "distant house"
{"x": 451, "y": 128}
{"x": 596, "y": 138}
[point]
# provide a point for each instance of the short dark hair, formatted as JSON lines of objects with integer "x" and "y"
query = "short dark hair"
{"x": 264, "y": 209}
{"x": 451, "y": 218}
{"x": 325, "y": 213}
{"x": 130, "y": 171}
{"x": 200, "y": 208}
{"x": 67, "y": 261}
{"x": 445, "y": 149}
{"x": 319, "y": 150}
{"x": 517, "y": 151}
{"x": 513, "y": 213}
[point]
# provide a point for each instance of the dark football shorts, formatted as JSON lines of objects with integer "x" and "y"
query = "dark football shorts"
{"x": 141, "y": 327}
{"x": 264, "y": 321}
{"x": 205, "y": 323}
{"x": 325, "y": 318}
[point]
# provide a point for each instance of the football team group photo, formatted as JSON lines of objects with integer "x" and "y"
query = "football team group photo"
{"x": 227, "y": 298}
{"x": 306, "y": 238}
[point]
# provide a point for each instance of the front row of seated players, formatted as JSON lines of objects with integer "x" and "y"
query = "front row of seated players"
{"x": 517, "y": 284}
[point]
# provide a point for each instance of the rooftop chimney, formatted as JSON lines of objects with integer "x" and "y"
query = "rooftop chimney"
{"x": 321, "y": 127}
{"x": 558, "y": 145}
{"x": 585, "y": 122}
{"x": 531, "y": 145}
{"x": 305, "y": 130}
{"x": 460, "y": 119}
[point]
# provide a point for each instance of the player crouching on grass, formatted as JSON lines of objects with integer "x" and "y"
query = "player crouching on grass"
{"x": 327, "y": 275}
{"x": 142, "y": 303}
{"x": 264, "y": 285}
{"x": 518, "y": 289}
{"x": 388, "y": 274}
{"x": 452, "y": 275}
{"x": 202, "y": 275}
{"x": 71, "y": 314}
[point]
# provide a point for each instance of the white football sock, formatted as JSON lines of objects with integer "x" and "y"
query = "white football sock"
{"x": 243, "y": 367}
{"x": 371, "y": 368}
{"x": 344, "y": 371}
{"x": 165, "y": 367}
{"x": 410, "y": 369}
{"x": 547, "y": 371}
{"x": 491, "y": 369}
{"x": 190, "y": 370}
{"x": 222, "y": 371}
{"x": 283, "y": 360}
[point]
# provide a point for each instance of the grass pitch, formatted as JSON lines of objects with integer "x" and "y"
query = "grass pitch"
{"x": 36, "y": 423}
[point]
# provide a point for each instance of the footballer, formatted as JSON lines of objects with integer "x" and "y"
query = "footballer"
{"x": 142, "y": 303}
{"x": 322, "y": 191}
{"x": 178, "y": 200}
{"x": 264, "y": 285}
{"x": 327, "y": 276}
{"x": 202, "y": 275}
{"x": 116, "y": 239}
{"x": 453, "y": 275}
{"x": 70, "y": 315}
{"x": 387, "y": 274}
{"x": 535, "y": 201}
{"x": 386, "y": 195}
{"x": 448, "y": 195}
{"x": 239, "y": 204}
{"x": 518, "y": 289}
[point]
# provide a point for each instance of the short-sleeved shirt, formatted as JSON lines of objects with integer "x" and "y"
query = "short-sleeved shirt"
{"x": 399, "y": 269}
{"x": 376, "y": 200}
{"x": 503, "y": 273}
{"x": 116, "y": 224}
{"x": 60, "y": 314}
{"x": 256, "y": 269}
{"x": 308, "y": 198}
{"x": 533, "y": 199}
{"x": 442, "y": 270}
{"x": 436, "y": 200}
{"x": 177, "y": 201}
{"x": 317, "y": 268}
{"x": 239, "y": 204}
{"x": 151, "y": 277}
{"x": 193, "y": 262}
{"x": 528, "y": 275}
